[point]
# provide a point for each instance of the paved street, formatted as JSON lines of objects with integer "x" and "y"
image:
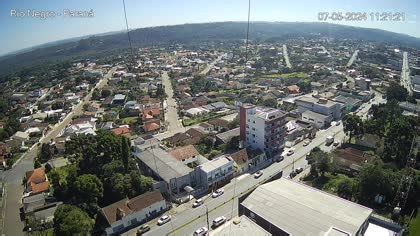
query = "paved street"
{"x": 405, "y": 74}
{"x": 12, "y": 224}
{"x": 171, "y": 113}
{"x": 353, "y": 58}
{"x": 286, "y": 56}
{"x": 188, "y": 219}
{"x": 209, "y": 66}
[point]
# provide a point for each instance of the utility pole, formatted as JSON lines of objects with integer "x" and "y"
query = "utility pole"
{"x": 207, "y": 214}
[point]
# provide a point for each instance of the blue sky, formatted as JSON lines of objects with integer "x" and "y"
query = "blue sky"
{"x": 17, "y": 33}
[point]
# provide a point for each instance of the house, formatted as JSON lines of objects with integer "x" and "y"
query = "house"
{"x": 220, "y": 125}
{"x": 36, "y": 181}
{"x": 215, "y": 173}
{"x": 225, "y": 137}
{"x": 206, "y": 127}
{"x": 19, "y": 139}
{"x": 196, "y": 111}
{"x": 152, "y": 126}
{"x": 350, "y": 159}
{"x": 151, "y": 113}
{"x": 119, "y": 99}
{"x": 122, "y": 131}
{"x": 293, "y": 89}
{"x": 286, "y": 207}
{"x": 186, "y": 154}
{"x": 129, "y": 213}
{"x": 241, "y": 161}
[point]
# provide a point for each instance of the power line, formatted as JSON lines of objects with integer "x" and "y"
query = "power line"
{"x": 128, "y": 34}
{"x": 247, "y": 31}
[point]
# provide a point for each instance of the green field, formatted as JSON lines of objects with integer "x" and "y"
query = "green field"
{"x": 415, "y": 226}
{"x": 300, "y": 75}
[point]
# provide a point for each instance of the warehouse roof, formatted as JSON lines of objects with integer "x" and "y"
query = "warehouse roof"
{"x": 302, "y": 210}
{"x": 163, "y": 164}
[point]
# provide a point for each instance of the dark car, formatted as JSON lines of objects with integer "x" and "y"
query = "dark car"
{"x": 143, "y": 229}
{"x": 281, "y": 158}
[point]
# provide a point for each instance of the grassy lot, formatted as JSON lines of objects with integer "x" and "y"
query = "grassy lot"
{"x": 130, "y": 120}
{"x": 286, "y": 76}
{"x": 415, "y": 226}
{"x": 189, "y": 122}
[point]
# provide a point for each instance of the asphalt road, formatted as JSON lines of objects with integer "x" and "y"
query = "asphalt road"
{"x": 405, "y": 74}
{"x": 12, "y": 225}
{"x": 171, "y": 113}
{"x": 286, "y": 56}
{"x": 187, "y": 219}
{"x": 209, "y": 66}
{"x": 353, "y": 58}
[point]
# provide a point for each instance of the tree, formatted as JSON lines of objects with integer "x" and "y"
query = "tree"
{"x": 396, "y": 92}
{"x": 71, "y": 220}
{"x": 125, "y": 152}
{"x": 88, "y": 188}
{"x": 353, "y": 125}
{"x": 345, "y": 188}
{"x": 37, "y": 164}
{"x": 45, "y": 153}
{"x": 375, "y": 180}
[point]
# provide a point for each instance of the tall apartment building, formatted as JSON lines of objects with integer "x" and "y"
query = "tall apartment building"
{"x": 262, "y": 128}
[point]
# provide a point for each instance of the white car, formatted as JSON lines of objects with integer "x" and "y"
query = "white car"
{"x": 218, "y": 192}
{"x": 306, "y": 143}
{"x": 338, "y": 123}
{"x": 198, "y": 203}
{"x": 290, "y": 152}
{"x": 201, "y": 231}
{"x": 164, "y": 219}
{"x": 258, "y": 174}
{"x": 219, "y": 221}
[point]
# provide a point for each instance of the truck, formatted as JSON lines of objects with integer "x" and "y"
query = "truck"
{"x": 329, "y": 140}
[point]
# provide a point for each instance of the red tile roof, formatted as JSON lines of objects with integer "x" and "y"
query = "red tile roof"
{"x": 152, "y": 126}
{"x": 184, "y": 153}
{"x": 126, "y": 207}
{"x": 122, "y": 131}
{"x": 36, "y": 176}
{"x": 40, "y": 188}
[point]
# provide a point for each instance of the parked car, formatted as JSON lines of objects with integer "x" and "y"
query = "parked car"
{"x": 198, "y": 203}
{"x": 219, "y": 221}
{"x": 336, "y": 143}
{"x": 338, "y": 123}
{"x": 306, "y": 143}
{"x": 281, "y": 158}
{"x": 201, "y": 231}
{"x": 218, "y": 192}
{"x": 292, "y": 174}
{"x": 143, "y": 229}
{"x": 290, "y": 152}
{"x": 164, "y": 219}
{"x": 258, "y": 174}
{"x": 299, "y": 170}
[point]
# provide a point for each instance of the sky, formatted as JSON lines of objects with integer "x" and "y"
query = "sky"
{"x": 20, "y": 31}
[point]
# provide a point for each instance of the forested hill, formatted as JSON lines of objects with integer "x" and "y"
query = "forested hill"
{"x": 193, "y": 33}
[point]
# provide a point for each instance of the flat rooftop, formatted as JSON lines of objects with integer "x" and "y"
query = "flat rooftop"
{"x": 244, "y": 226}
{"x": 310, "y": 99}
{"x": 163, "y": 164}
{"x": 302, "y": 210}
{"x": 215, "y": 164}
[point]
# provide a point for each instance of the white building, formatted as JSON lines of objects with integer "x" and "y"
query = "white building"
{"x": 321, "y": 105}
{"x": 128, "y": 213}
{"x": 262, "y": 128}
{"x": 216, "y": 172}
{"x": 317, "y": 119}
